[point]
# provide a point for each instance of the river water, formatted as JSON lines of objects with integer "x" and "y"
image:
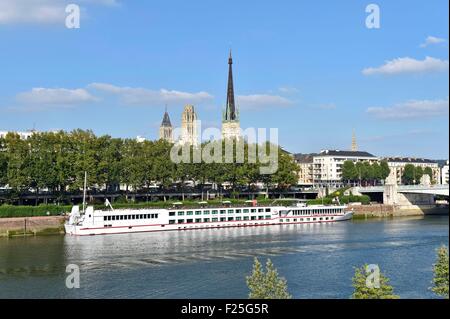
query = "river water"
{"x": 317, "y": 260}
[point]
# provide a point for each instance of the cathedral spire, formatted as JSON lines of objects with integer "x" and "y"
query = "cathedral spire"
{"x": 230, "y": 109}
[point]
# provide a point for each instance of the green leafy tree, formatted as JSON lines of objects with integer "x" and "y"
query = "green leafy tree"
{"x": 440, "y": 269}
{"x": 41, "y": 166}
{"x": 360, "y": 171}
{"x": 287, "y": 173}
{"x": 428, "y": 171}
{"x": 84, "y": 159}
{"x": 164, "y": 168}
{"x": 266, "y": 285}
{"x": 3, "y": 162}
{"x": 409, "y": 174}
{"x": 17, "y": 154}
{"x": 384, "y": 170}
{"x": 376, "y": 172}
{"x": 418, "y": 173}
{"x": 349, "y": 172}
{"x": 108, "y": 157}
{"x": 367, "y": 171}
{"x": 131, "y": 166}
{"x": 363, "y": 291}
{"x": 58, "y": 161}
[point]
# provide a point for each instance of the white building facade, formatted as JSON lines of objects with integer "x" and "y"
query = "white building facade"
{"x": 397, "y": 166}
{"x": 444, "y": 174}
{"x": 327, "y": 166}
{"x": 305, "y": 164}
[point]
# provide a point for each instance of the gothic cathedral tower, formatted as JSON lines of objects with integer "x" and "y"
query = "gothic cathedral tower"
{"x": 354, "y": 144}
{"x": 230, "y": 119}
{"x": 189, "y": 134}
{"x": 165, "y": 130}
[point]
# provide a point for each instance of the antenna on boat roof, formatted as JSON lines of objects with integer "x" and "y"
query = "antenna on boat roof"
{"x": 108, "y": 203}
{"x": 84, "y": 191}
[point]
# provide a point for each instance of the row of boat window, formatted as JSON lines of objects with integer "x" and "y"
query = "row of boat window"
{"x": 130, "y": 217}
{"x": 306, "y": 219}
{"x": 317, "y": 211}
{"x": 221, "y": 219}
{"x": 221, "y": 211}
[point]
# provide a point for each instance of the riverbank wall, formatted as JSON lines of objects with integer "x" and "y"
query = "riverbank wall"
{"x": 382, "y": 210}
{"x": 32, "y": 226}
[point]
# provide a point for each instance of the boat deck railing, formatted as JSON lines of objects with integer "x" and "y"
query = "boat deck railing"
{"x": 225, "y": 206}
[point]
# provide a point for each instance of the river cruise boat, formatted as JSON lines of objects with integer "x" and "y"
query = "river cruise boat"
{"x": 117, "y": 221}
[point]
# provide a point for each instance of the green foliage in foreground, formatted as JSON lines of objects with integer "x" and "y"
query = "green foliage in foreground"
{"x": 266, "y": 285}
{"x": 363, "y": 291}
{"x": 440, "y": 269}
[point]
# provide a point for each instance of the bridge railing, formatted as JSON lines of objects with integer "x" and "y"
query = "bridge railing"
{"x": 406, "y": 187}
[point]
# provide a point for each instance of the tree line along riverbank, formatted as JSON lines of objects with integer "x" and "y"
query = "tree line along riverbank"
{"x": 58, "y": 161}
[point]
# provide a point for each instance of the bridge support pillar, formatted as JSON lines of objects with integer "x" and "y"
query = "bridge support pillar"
{"x": 390, "y": 194}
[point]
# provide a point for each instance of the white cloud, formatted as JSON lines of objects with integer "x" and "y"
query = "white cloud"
{"x": 43, "y": 98}
{"x": 411, "y": 110}
{"x": 40, "y": 11}
{"x": 257, "y": 101}
{"x": 409, "y": 65}
{"x": 143, "y": 96}
{"x": 432, "y": 40}
{"x": 29, "y": 11}
{"x": 288, "y": 89}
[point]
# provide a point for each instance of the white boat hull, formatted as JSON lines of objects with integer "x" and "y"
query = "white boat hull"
{"x": 79, "y": 230}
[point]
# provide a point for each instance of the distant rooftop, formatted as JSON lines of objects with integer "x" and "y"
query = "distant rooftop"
{"x": 410, "y": 160}
{"x": 304, "y": 158}
{"x": 346, "y": 153}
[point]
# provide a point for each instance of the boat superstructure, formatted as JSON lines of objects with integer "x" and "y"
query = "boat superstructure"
{"x": 113, "y": 221}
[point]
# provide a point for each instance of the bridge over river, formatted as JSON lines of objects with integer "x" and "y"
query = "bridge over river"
{"x": 406, "y": 195}
{"x": 442, "y": 190}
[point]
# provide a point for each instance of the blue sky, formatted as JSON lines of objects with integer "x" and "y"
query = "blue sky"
{"x": 310, "y": 68}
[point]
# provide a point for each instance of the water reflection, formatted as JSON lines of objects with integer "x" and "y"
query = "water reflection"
{"x": 32, "y": 256}
{"x": 316, "y": 259}
{"x": 153, "y": 249}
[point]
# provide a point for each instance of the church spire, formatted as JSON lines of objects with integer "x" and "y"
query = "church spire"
{"x": 354, "y": 144}
{"x": 166, "y": 119}
{"x": 165, "y": 130}
{"x": 230, "y": 109}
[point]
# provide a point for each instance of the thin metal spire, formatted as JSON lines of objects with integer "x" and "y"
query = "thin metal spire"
{"x": 230, "y": 110}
